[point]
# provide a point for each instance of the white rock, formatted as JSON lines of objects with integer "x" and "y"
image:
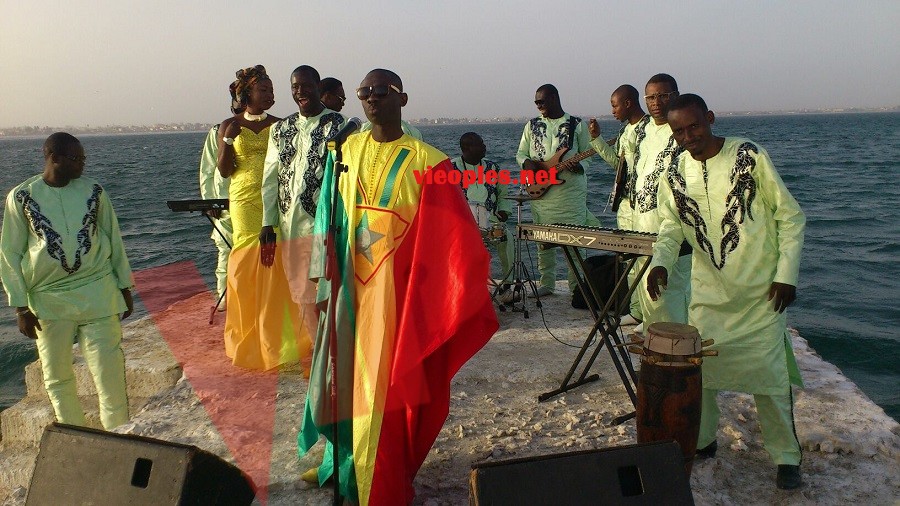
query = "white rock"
{"x": 738, "y": 446}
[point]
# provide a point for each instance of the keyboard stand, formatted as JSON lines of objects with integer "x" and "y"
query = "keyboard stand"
{"x": 202, "y": 206}
{"x": 607, "y": 316}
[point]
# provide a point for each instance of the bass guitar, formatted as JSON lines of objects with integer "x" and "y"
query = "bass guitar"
{"x": 538, "y": 190}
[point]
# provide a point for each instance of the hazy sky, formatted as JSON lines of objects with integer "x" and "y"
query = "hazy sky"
{"x": 125, "y": 62}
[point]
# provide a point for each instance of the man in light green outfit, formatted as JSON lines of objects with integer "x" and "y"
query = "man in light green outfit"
{"x": 563, "y": 203}
{"x": 726, "y": 199}
{"x": 64, "y": 268}
{"x": 626, "y": 107}
{"x": 487, "y": 199}
{"x": 214, "y": 186}
{"x": 653, "y": 150}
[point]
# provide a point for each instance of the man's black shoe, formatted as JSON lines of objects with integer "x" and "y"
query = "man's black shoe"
{"x": 708, "y": 451}
{"x": 788, "y": 477}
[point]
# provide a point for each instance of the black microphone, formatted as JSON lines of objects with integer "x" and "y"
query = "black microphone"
{"x": 352, "y": 125}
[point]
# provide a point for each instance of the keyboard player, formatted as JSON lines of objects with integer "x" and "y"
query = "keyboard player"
{"x": 214, "y": 186}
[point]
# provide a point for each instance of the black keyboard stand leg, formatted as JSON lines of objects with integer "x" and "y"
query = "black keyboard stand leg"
{"x": 212, "y": 311}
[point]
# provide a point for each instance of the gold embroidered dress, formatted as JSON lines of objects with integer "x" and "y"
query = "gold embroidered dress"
{"x": 260, "y": 320}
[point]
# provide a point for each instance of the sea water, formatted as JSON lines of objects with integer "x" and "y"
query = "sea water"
{"x": 842, "y": 168}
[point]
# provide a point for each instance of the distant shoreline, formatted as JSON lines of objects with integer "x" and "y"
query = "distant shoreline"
{"x": 23, "y": 132}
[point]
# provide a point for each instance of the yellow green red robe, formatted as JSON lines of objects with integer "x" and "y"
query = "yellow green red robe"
{"x": 411, "y": 308}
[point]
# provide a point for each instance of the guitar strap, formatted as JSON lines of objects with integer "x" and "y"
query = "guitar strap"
{"x": 571, "y": 133}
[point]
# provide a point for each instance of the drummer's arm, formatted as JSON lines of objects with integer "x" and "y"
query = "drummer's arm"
{"x": 668, "y": 241}
{"x": 790, "y": 223}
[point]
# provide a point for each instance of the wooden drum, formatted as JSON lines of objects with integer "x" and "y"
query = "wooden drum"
{"x": 670, "y": 386}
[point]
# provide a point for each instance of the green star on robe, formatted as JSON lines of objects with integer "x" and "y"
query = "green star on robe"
{"x": 366, "y": 237}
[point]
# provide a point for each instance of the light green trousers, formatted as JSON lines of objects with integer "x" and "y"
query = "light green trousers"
{"x": 223, "y": 253}
{"x": 776, "y": 421}
{"x": 624, "y": 222}
{"x": 100, "y": 342}
{"x": 672, "y": 305}
{"x": 505, "y": 253}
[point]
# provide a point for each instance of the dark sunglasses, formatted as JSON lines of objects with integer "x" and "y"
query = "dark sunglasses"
{"x": 379, "y": 91}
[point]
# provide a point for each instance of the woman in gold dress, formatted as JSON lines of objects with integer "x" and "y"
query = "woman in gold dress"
{"x": 261, "y": 320}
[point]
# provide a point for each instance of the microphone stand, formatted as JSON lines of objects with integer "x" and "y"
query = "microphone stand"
{"x": 332, "y": 275}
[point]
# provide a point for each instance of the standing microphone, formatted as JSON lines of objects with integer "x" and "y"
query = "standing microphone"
{"x": 353, "y": 124}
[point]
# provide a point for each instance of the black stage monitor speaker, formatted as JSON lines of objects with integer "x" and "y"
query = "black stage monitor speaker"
{"x": 79, "y": 466}
{"x": 645, "y": 474}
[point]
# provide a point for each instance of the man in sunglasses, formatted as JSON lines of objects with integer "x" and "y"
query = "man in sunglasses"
{"x": 404, "y": 125}
{"x": 64, "y": 268}
{"x": 653, "y": 151}
{"x": 292, "y": 176}
{"x": 566, "y": 203}
{"x": 410, "y": 304}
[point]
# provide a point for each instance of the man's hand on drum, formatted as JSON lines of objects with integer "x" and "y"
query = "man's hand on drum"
{"x": 657, "y": 280}
{"x": 502, "y": 216}
{"x": 782, "y": 295}
{"x": 267, "y": 246}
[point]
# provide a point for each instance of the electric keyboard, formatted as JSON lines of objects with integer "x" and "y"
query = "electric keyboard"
{"x": 606, "y": 239}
